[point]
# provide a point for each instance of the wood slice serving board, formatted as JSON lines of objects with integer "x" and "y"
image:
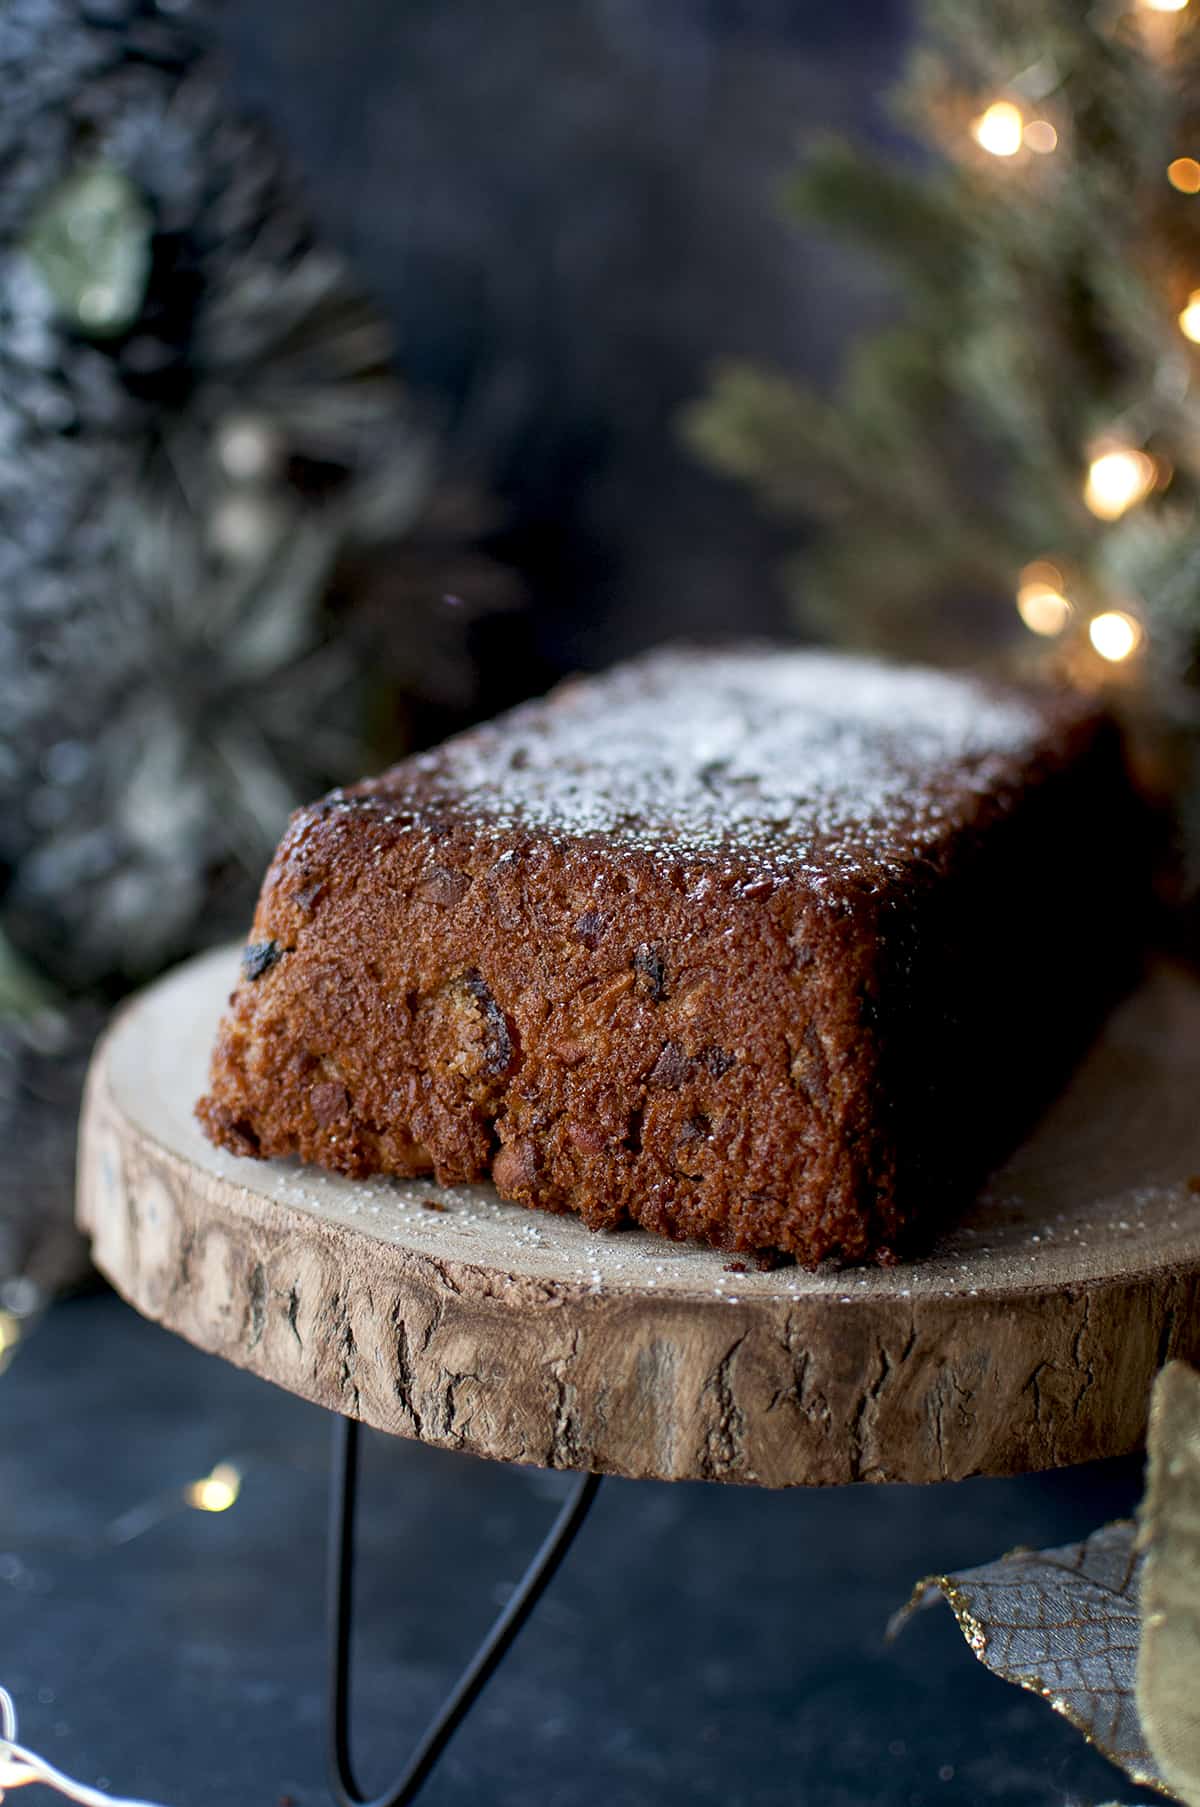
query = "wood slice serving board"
{"x": 1028, "y": 1338}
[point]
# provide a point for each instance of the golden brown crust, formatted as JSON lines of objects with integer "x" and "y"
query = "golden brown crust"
{"x": 751, "y": 1039}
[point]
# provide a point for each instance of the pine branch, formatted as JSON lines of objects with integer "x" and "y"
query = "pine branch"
{"x": 1039, "y": 297}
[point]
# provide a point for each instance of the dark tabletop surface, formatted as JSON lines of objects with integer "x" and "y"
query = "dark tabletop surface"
{"x": 702, "y": 1644}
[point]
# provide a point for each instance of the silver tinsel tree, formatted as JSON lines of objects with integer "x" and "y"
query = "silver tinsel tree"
{"x": 201, "y": 432}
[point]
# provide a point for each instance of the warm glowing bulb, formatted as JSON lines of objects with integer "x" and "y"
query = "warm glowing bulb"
{"x": 217, "y": 1491}
{"x": 998, "y": 130}
{"x": 1043, "y": 609}
{"x": 10, "y": 1336}
{"x": 1189, "y": 319}
{"x": 1184, "y": 174}
{"x": 1164, "y": 6}
{"x": 1117, "y": 479}
{"x": 1041, "y": 571}
{"x": 1040, "y": 136}
{"x": 1114, "y": 635}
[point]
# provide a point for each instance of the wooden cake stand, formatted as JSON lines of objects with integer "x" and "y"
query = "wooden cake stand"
{"x": 1027, "y": 1339}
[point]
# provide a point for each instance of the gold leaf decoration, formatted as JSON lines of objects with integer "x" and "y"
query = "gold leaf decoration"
{"x": 1168, "y": 1666}
{"x": 1064, "y": 1624}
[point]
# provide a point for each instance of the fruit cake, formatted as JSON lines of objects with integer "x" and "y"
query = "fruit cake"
{"x": 773, "y": 948}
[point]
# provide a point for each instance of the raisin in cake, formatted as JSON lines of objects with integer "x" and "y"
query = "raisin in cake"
{"x": 772, "y": 948}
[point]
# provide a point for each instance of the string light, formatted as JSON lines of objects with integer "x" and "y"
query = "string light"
{"x": 1189, "y": 319}
{"x": 218, "y": 1491}
{"x": 10, "y": 1336}
{"x": 1116, "y": 479}
{"x": 999, "y": 129}
{"x": 1115, "y": 635}
{"x": 1041, "y": 603}
{"x": 1040, "y": 136}
{"x": 1163, "y": 6}
{"x": 19, "y": 1767}
{"x": 1184, "y": 174}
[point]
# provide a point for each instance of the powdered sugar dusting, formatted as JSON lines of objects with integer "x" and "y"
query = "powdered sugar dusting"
{"x": 783, "y": 752}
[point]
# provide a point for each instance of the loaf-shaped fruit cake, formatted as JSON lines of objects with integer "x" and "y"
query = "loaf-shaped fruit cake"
{"x": 772, "y": 948}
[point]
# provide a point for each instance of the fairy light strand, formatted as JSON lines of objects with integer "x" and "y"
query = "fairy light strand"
{"x": 1042, "y": 602}
{"x": 19, "y": 1767}
{"x": 999, "y": 129}
{"x": 217, "y": 1491}
{"x": 1040, "y": 136}
{"x": 1115, "y": 635}
{"x": 1118, "y": 477}
{"x": 1002, "y": 130}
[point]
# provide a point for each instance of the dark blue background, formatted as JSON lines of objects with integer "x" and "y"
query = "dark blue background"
{"x": 570, "y": 210}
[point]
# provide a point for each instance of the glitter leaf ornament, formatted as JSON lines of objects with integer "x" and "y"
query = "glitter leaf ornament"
{"x": 1108, "y": 1631}
{"x": 1064, "y": 1624}
{"x": 1168, "y": 1666}
{"x": 90, "y": 242}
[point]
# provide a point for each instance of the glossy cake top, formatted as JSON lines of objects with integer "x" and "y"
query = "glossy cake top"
{"x": 786, "y": 754}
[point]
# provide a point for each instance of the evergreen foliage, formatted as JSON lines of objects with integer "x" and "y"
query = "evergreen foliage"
{"x": 1041, "y": 299}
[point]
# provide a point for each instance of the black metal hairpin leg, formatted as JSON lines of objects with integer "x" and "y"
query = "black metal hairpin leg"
{"x": 479, "y": 1670}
